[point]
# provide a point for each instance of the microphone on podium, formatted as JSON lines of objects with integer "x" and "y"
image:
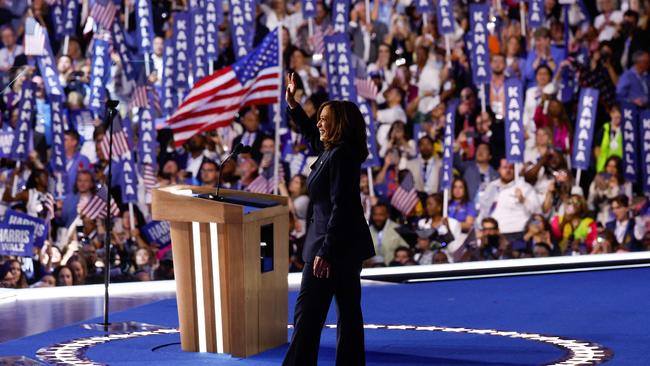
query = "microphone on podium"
{"x": 239, "y": 149}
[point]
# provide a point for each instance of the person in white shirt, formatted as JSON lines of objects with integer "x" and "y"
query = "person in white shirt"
{"x": 11, "y": 50}
{"x": 157, "y": 58}
{"x": 508, "y": 201}
{"x": 608, "y": 20}
{"x": 386, "y": 117}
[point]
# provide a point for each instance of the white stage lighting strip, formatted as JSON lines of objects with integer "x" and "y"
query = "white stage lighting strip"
{"x": 579, "y": 353}
{"x": 216, "y": 283}
{"x": 198, "y": 281}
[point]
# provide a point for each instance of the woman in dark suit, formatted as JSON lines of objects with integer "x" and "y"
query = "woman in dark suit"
{"x": 338, "y": 238}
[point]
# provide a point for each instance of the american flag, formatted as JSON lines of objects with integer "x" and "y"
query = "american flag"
{"x": 120, "y": 141}
{"x": 103, "y": 12}
{"x": 154, "y": 100}
{"x": 149, "y": 177}
{"x": 214, "y": 100}
{"x": 96, "y": 206}
{"x": 139, "y": 98}
{"x": 34, "y": 38}
{"x": 366, "y": 88}
{"x": 318, "y": 39}
{"x": 260, "y": 185}
{"x": 405, "y": 197}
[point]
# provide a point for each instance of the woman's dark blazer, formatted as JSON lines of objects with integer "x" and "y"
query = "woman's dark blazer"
{"x": 336, "y": 227}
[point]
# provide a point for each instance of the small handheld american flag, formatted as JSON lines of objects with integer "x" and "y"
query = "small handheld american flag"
{"x": 120, "y": 142}
{"x": 366, "y": 88}
{"x": 260, "y": 185}
{"x": 405, "y": 197}
{"x": 103, "y": 12}
{"x": 96, "y": 206}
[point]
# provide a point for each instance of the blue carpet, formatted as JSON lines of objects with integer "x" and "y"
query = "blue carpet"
{"x": 610, "y": 308}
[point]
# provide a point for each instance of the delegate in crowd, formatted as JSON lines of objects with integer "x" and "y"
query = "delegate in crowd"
{"x": 495, "y": 209}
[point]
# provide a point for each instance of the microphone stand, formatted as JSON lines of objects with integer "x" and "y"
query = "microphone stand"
{"x": 109, "y": 115}
{"x": 240, "y": 148}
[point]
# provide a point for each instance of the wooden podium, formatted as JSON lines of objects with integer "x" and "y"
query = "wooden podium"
{"x": 230, "y": 265}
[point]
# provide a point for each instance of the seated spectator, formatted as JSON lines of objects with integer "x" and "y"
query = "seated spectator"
{"x": 426, "y": 167}
{"x": 574, "y": 231}
{"x": 607, "y": 185}
{"x": 629, "y": 232}
{"x": 461, "y": 207}
{"x": 46, "y": 281}
{"x": 609, "y": 140}
{"x": 634, "y": 84}
{"x": 384, "y": 235}
{"x": 402, "y": 257}
{"x": 606, "y": 243}
{"x": 476, "y": 173}
{"x": 509, "y": 202}
{"x": 514, "y": 61}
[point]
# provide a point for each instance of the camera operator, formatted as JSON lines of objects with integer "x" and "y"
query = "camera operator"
{"x": 491, "y": 244}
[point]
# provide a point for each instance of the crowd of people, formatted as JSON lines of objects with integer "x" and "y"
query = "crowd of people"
{"x": 495, "y": 209}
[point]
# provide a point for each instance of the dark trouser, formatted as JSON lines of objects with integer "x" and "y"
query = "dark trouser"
{"x": 311, "y": 310}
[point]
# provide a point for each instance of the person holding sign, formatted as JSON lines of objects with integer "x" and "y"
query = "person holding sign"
{"x": 338, "y": 238}
{"x": 35, "y": 197}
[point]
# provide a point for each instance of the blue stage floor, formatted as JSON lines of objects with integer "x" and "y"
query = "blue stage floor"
{"x": 608, "y": 310}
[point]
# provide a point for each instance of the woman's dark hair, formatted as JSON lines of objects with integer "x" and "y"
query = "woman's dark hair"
{"x": 544, "y": 66}
{"x": 92, "y": 179}
{"x": 58, "y": 270}
{"x": 399, "y": 124}
{"x": 303, "y": 184}
{"x": 619, "y": 167}
{"x": 31, "y": 181}
{"x": 538, "y": 218}
{"x": 348, "y": 125}
{"x": 6, "y": 267}
{"x": 465, "y": 198}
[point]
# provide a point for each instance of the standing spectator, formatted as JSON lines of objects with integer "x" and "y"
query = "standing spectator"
{"x": 461, "y": 207}
{"x": 608, "y": 21}
{"x": 196, "y": 152}
{"x": 384, "y": 235}
{"x": 387, "y": 116}
{"x": 631, "y": 39}
{"x": 609, "y": 140}
{"x": 10, "y": 51}
{"x": 445, "y": 232}
{"x": 497, "y": 91}
{"x": 426, "y": 167}
{"x": 574, "y": 230}
{"x": 366, "y": 36}
{"x": 477, "y": 173}
{"x": 209, "y": 173}
{"x": 629, "y": 231}
{"x": 542, "y": 54}
{"x": 536, "y": 96}
{"x": 634, "y": 84}
{"x": 75, "y": 201}
{"x": 35, "y": 194}
{"x": 252, "y": 136}
{"x": 607, "y": 185}
{"x": 400, "y": 141}
{"x": 75, "y": 161}
{"x": 511, "y": 203}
